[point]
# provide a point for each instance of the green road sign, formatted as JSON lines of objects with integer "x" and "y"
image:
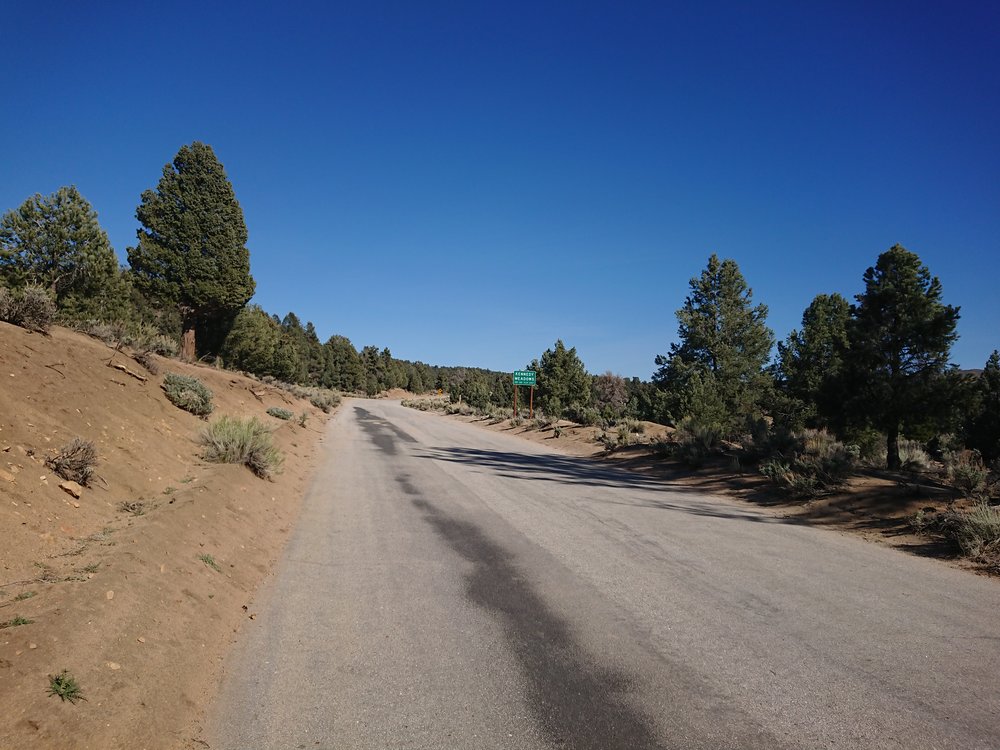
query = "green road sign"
{"x": 524, "y": 377}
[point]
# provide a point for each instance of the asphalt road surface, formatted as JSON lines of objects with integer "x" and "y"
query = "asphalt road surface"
{"x": 450, "y": 587}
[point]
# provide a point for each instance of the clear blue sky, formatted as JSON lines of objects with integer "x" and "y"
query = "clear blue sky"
{"x": 465, "y": 182}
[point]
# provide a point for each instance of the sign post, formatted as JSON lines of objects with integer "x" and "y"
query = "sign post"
{"x": 525, "y": 377}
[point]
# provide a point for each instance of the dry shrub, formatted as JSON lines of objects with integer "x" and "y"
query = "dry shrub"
{"x": 229, "y": 440}
{"x": 145, "y": 358}
{"x": 277, "y": 411}
{"x": 31, "y": 308}
{"x": 975, "y": 532}
{"x": 966, "y": 472}
{"x": 75, "y": 461}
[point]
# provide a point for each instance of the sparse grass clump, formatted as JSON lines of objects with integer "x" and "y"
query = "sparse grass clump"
{"x": 75, "y": 461}
{"x": 189, "y": 394}
{"x": 133, "y": 507}
{"x": 229, "y": 440}
{"x": 15, "y": 621}
{"x": 210, "y": 562}
{"x": 31, "y": 308}
{"x": 25, "y": 595}
{"x": 65, "y": 686}
{"x": 279, "y": 413}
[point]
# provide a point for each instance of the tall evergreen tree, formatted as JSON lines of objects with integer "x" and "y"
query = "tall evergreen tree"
{"x": 983, "y": 431}
{"x": 345, "y": 371}
{"x": 192, "y": 245}
{"x": 253, "y": 342}
{"x": 563, "y": 382}
{"x": 810, "y": 360}
{"x": 900, "y": 340}
{"x": 55, "y": 241}
{"x": 715, "y": 371}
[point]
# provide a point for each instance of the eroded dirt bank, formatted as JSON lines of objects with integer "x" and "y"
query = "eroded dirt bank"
{"x": 137, "y": 587}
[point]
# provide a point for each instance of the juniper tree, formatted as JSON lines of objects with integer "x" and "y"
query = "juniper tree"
{"x": 900, "y": 340}
{"x": 714, "y": 372}
{"x": 56, "y": 241}
{"x": 192, "y": 249}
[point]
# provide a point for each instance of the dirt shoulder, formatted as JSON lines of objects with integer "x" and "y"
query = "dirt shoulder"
{"x": 876, "y": 505}
{"x": 141, "y": 602}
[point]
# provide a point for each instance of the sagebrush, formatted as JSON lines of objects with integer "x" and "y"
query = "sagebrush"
{"x": 189, "y": 394}
{"x": 230, "y": 440}
{"x": 31, "y": 307}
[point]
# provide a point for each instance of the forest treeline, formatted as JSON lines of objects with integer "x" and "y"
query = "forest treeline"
{"x": 875, "y": 371}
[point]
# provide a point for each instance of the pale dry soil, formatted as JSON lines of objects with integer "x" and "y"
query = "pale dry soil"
{"x": 128, "y": 604}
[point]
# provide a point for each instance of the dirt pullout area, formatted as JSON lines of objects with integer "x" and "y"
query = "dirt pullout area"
{"x": 138, "y": 586}
{"x": 877, "y": 505}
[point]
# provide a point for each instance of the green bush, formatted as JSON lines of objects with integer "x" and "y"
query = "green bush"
{"x": 277, "y": 411}
{"x": 815, "y": 463}
{"x": 189, "y": 394}
{"x": 31, "y": 307}
{"x": 229, "y": 440}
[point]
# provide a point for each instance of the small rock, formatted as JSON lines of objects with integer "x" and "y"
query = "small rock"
{"x": 72, "y": 488}
{"x": 32, "y": 645}
{"x": 110, "y": 595}
{"x": 114, "y": 665}
{"x": 141, "y": 639}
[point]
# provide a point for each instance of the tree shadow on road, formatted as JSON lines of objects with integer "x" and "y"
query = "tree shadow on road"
{"x": 586, "y": 472}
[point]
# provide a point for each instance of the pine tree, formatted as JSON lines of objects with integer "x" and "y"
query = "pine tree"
{"x": 983, "y": 432}
{"x": 900, "y": 340}
{"x": 55, "y": 241}
{"x": 810, "y": 360}
{"x": 253, "y": 343}
{"x": 563, "y": 383}
{"x": 192, "y": 245}
{"x": 345, "y": 371}
{"x": 714, "y": 373}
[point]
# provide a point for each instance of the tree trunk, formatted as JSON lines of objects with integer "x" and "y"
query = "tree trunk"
{"x": 892, "y": 448}
{"x": 188, "y": 351}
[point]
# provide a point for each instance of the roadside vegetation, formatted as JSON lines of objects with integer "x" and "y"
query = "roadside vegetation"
{"x": 860, "y": 385}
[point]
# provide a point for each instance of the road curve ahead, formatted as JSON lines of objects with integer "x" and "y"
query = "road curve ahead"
{"x": 450, "y": 587}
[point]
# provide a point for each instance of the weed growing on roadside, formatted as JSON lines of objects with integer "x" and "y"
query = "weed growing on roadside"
{"x": 277, "y": 411}
{"x": 210, "y": 562}
{"x": 15, "y": 621}
{"x": 65, "y": 686}
{"x": 135, "y": 507}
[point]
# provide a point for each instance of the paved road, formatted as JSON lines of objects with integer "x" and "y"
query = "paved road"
{"x": 449, "y": 587}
